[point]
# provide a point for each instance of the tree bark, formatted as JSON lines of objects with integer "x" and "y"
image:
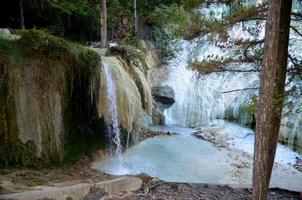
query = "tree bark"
{"x": 22, "y": 23}
{"x": 103, "y": 23}
{"x": 135, "y": 19}
{"x": 270, "y": 104}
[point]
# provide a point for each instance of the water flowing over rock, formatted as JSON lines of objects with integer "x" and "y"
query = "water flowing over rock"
{"x": 199, "y": 99}
{"x": 65, "y": 108}
{"x": 112, "y": 108}
{"x": 128, "y": 99}
{"x": 130, "y": 93}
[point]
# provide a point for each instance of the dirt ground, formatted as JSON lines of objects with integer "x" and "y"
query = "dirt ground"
{"x": 18, "y": 180}
{"x": 154, "y": 189}
{"x": 159, "y": 190}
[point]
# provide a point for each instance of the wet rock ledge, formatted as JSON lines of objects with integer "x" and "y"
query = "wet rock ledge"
{"x": 147, "y": 133}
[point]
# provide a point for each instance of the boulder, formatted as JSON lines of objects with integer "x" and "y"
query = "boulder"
{"x": 164, "y": 96}
{"x": 80, "y": 191}
{"x": 158, "y": 117}
{"x": 6, "y": 34}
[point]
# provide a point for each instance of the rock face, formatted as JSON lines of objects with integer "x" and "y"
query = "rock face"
{"x": 99, "y": 190}
{"x": 6, "y": 34}
{"x": 158, "y": 117}
{"x": 53, "y": 98}
{"x": 291, "y": 127}
{"x": 151, "y": 57}
{"x": 164, "y": 96}
{"x": 46, "y": 103}
{"x": 163, "y": 99}
{"x": 129, "y": 105}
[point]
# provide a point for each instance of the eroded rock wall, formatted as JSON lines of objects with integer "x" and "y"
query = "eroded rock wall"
{"x": 53, "y": 98}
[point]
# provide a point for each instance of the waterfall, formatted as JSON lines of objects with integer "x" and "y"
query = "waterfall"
{"x": 114, "y": 132}
{"x": 201, "y": 99}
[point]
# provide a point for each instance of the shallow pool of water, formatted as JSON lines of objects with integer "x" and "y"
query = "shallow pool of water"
{"x": 184, "y": 158}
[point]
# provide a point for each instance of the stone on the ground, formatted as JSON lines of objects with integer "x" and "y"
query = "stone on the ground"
{"x": 80, "y": 191}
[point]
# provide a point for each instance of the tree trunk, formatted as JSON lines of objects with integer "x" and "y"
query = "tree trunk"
{"x": 135, "y": 19}
{"x": 103, "y": 23}
{"x": 22, "y": 23}
{"x": 270, "y": 104}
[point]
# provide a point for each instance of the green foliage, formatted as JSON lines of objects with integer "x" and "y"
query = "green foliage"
{"x": 37, "y": 42}
{"x": 56, "y": 159}
{"x": 278, "y": 101}
{"x": 28, "y": 153}
{"x": 116, "y": 9}
{"x": 175, "y": 18}
{"x": 129, "y": 39}
{"x": 15, "y": 153}
{"x": 176, "y": 21}
{"x": 83, "y": 144}
{"x": 251, "y": 108}
{"x": 241, "y": 11}
{"x": 8, "y": 50}
{"x": 76, "y": 20}
{"x": 164, "y": 41}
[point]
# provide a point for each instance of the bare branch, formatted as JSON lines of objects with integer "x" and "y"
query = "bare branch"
{"x": 296, "y": 31}
{"x": 239, "y": 90}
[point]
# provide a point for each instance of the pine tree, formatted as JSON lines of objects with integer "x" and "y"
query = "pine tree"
{"x": 103, "y": 23}
{"x": 271, "y": 100}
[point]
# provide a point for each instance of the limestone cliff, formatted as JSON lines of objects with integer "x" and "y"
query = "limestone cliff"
{"x": 53, "y": 98}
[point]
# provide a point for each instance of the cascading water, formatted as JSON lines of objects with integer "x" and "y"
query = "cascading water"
{"x": 200, "y": 100}
{"x": 114, "y": 132}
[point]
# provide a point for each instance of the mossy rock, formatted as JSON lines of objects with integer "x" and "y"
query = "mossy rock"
{"x": 49, "y": 88}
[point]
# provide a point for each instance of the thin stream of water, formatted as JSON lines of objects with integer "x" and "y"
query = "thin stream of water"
{"x": 112, "y": 108}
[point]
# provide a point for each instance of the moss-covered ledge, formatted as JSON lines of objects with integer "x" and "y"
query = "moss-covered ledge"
{"x": 48, "y": 89}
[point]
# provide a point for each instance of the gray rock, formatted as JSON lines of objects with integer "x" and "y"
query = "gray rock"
{"x": 6, "y": 34}
{"x": 164, "y": 96}
{"x": 146, "y": 120}
{"x": 158, "y": 117}
{"x": 87, "y": 191}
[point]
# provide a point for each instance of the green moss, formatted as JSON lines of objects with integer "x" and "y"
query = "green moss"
{"x": 38, "y": 43}
{"x": 28, "y": 154}
{"x": 9, "y": 51}
{"x": 56, "y": 159}
{"x": 83, "y": 144}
